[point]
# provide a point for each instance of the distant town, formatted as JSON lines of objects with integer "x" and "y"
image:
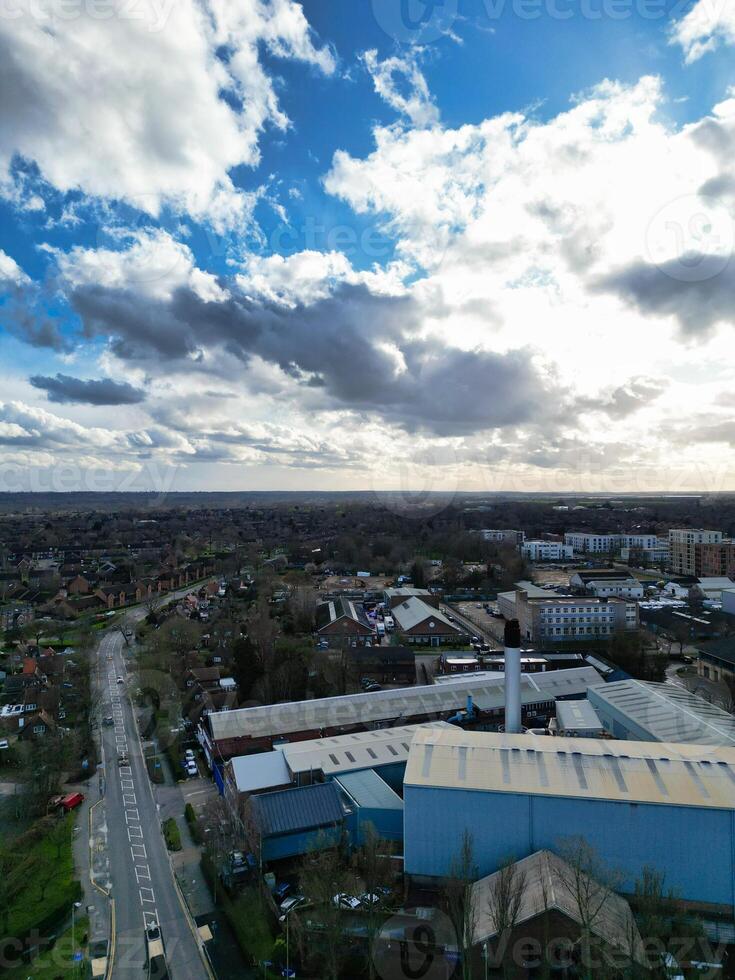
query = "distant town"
{"x": 285, "y": 735}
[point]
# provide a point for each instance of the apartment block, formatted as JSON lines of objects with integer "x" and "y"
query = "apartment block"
{"x": 685, "y": 554}
{"x": 503, "y": 536}
{"x": 546, "y": 550}
{"x": 592, "y": 543}
{"x": 563, "y": 618}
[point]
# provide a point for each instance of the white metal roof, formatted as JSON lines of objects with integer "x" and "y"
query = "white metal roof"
{"x": 577, "y": 716}
{"x": 413, "y": 611}
{"x": 347, "y": 753}
{"x": 584, "y": 768}
{"x": 668, "y": 713}
{"x": 411, "y": 702}
{"x": 263, "y": 770}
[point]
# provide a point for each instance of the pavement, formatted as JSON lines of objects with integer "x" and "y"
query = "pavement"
{"x": 128, "y": 853}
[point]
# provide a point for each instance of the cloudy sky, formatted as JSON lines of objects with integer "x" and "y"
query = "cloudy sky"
{"x": 346, "y": 244}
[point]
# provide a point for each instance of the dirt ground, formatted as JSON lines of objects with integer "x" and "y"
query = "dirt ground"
{"x": 335, "y": 582}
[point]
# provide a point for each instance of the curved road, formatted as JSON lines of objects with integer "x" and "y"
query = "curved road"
{"x": 143, "y": 886}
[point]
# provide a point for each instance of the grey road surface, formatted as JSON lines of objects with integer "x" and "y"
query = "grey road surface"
{"x": 142, "y": 880}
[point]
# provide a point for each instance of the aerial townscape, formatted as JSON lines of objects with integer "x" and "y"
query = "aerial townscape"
{"x": 317, "y": 733}
{"x": 367, "y": 489}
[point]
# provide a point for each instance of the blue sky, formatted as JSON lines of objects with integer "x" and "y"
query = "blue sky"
{"x": 261, "y": 240}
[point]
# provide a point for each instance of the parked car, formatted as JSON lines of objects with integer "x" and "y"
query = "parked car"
{"x": 290, "y": 902}
{"x": 373, "y": 686}
{"x": 191, "y": 769}
{"x": 281, "y": 891}
{"x": 123, "y": 760}
{"x": 189, "y": 755}
{"x": 108, "y": 721}
{"x": 343, "y": 901}
{"x": 121, "y": 680}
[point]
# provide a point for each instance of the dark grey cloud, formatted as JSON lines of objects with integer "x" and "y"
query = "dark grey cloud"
{"x": 620, "y": 402}
{"x": 698, "y": 289}
{"x": 65, "y": 389}
{"x": 353, "y": 350}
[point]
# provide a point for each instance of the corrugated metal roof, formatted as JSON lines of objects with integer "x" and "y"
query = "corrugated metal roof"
{"x": 348, "y": 753}
{"x": 413, "y": 611}
{"x": 585, "y": 768}
{"x": 551, "y": 883}
{"x": 577, "y": 715}
{"x": 367, "y": 789}
{"x": 262, "y": 770}
{"x": 292, "y": 810}
{"x": 668, "y": 713}
{"x": 410, "y": 702}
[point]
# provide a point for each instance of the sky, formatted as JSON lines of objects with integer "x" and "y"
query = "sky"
{"x": 367, "y": 244}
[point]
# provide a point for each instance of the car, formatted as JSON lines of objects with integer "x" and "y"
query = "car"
{"x": 121, "y": 680}
{"x": 450, "y": 618}
{"x": 370, "y": 900}
{"x": 189, "y": 755}
{"x": 343, "y": 901}
{"x": 123, "y": 760}
{"x": 191, "y": 769}
{"x": 374, "y": 686}
{"x": 290, "y": 903}
{"x": 282, "y": 890}
{"x": 478, "y": 605}
{"x": 108, "y": 721}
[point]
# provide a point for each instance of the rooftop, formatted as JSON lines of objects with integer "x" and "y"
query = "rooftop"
{"x": 668, "y": 713}
{"x": 367, "y": 789}
{"x": 582, "y": 768}
{"x": 577, "y": 716}
{"x": 413, "y": 611}
{"x": 550, "y": 884}
{"x": 392, "y": 705}
{"x": 291, "y": 810}
{"x": 262, "y": 770}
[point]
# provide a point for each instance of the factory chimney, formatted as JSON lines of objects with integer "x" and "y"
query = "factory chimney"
{"x": 512, "y": 676}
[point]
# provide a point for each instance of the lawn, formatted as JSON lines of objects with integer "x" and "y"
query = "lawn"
{"x": 57, "y": 963}
{"x": 47, "y": 887}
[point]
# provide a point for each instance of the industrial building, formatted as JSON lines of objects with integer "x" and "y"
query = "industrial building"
{"x": 295, "y": 821}
{"x": 577, "y": 719}
{"x": 636, "y": 803}
{"x": 419, "y": 623}
{"x": 225, "y": 734}
{"x": 606, "y": 582}
{"x": 650, "y": 712}
{"x": 343, "y": 620}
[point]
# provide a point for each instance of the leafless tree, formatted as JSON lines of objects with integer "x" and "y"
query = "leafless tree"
{"x": 373, "y": 865}
{"x": 325, "y": 876}
{"x": 459, "y": 901}
{"x": 504, "y": 905}
{"x": 590, "y": 885}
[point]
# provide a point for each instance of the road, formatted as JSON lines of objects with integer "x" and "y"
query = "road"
{"x": 143, "y": 886}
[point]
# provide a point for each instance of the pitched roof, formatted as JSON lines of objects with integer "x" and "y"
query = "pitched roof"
{"x": 413, "y": 611}
{"x": 581, "y": 768}
{"x": 341, "y": 608}
{"x": 291, "y": 810}
{"x": 549, "y": 885}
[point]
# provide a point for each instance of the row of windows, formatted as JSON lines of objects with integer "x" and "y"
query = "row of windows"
{"x": 580, "y": 619}
{"x": 575, "y": 630}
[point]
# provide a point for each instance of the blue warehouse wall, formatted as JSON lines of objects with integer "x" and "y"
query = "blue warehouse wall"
{"x": 291, "y": 845}
{"x": 693, "y": 846}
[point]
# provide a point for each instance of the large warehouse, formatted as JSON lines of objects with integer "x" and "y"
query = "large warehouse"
{"x": 652, "y": 712}
{"x": 670, "y": 806}
{"x": 229, "y": 733}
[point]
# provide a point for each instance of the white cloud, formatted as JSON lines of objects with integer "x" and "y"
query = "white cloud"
{"x": 708, "y": 23}
{"x": 154, "y": 264}
{"x": 402, "y": 72}
{"x": 10, "y": 271}
{"x": 129, "y": 106}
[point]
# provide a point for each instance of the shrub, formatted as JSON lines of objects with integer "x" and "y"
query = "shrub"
{"x": 172, "y": 834}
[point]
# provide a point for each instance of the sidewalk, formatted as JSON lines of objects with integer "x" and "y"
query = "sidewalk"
{"x": 91, "y": 859}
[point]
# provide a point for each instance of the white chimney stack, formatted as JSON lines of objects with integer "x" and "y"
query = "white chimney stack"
{"x": 512, "y": 676}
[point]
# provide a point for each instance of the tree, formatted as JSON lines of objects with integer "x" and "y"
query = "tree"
{"x": 459, "y": 902}
{"x": 326, "y": 875}
{"x": 373, "y": 865}
{"x": 661, "y": 919}
{"x": 589, "y": 885}
{"x": 504, "y": 905}
{"x": 418, "y": 574}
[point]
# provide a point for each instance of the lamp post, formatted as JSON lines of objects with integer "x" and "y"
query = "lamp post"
{"x": 284, "y": 918}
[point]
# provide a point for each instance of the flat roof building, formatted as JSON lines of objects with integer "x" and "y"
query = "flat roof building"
{"x": 578, "y": 719}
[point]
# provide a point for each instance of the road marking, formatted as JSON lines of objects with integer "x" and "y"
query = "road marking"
{"x": 138, "y": 851}
{"x": 142, "y": 872}
{"x": 144, "y": 896}
{"x": 126, "y": 771}
{"x": 129, "y": 798}
{"x": 126, "y": 783}
{"x": 132, "y": 815}
{"x": 135, "y": 833}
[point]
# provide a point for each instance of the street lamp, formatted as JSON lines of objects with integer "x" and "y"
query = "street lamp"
{"x": 284, "y": 918}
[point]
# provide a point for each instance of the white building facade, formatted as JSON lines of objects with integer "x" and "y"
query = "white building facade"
{"x": 546, "y": 550}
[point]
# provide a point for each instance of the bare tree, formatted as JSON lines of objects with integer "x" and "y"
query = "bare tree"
{"x": 459, "y": 902}
{"x": 325, "y": 876}
{"x": 590, "y": 885}
{"x": 505, "y": 901}
{"x": 373, "y": 864}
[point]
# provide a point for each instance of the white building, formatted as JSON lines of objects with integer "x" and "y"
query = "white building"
{"x": 501, "y": 536}
{"x": 592, "y": 543}
{"x": 546, "y": 550}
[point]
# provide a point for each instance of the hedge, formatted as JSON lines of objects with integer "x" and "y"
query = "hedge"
{"x": 194, "y": 829}
{"x": 172, "y": 834}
